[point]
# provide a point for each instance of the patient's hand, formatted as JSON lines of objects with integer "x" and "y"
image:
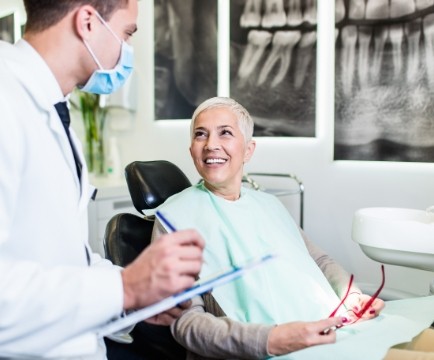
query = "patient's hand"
{"x": 293, "y": 336}
{"x": 357, "y": 302}
{"x": 169, "y": 316}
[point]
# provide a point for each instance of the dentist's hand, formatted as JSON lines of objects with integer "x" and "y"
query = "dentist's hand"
{"x": 294, "y": 336}
{"x": 167, "y": 266}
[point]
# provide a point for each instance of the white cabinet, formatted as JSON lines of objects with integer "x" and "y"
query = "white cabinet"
{"x": 112, "y": 198}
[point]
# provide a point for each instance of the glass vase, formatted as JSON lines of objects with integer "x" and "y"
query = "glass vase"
{"x": 94, "y": 120}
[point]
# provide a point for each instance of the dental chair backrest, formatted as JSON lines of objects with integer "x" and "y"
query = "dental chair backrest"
{"x": 150, "y": 183}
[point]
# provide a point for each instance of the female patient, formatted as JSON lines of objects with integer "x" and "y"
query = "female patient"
{"x": 297, "y": 289}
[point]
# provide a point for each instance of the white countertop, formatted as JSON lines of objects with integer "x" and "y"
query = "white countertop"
{"x": 109, "y": 187}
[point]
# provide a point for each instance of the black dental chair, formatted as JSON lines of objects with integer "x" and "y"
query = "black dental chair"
{"x": 150, "y": 183}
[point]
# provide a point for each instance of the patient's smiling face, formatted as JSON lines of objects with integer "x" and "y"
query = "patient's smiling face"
{"x": 219, "y": 150}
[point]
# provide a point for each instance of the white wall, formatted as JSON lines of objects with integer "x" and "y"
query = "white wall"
{"x": 334, "y": 190}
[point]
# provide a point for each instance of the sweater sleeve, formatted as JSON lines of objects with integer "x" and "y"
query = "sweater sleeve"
{"x": 335, "y": 273}
{"x": 220, "y": 337}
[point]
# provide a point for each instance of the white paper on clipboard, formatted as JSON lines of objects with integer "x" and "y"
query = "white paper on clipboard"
{"x": 172, "y": 301}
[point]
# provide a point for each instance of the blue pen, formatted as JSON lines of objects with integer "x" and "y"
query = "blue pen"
{"x": 166, "y": 222}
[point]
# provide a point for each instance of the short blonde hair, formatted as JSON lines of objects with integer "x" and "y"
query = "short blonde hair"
{"x": 245, "y": 121}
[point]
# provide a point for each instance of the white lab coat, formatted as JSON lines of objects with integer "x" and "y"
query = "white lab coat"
{"x": 50, "y": 300}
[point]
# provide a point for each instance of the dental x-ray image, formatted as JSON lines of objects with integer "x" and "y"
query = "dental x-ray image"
{"x": 7, "y": 28}
{"x": 185, "y": 56}
{"x": 273, "y": 64}
{"x": 384, "y": 80}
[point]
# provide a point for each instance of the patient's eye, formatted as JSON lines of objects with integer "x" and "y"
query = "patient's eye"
{"x": 199, "y": 134}
{"x": 226, "y": 131}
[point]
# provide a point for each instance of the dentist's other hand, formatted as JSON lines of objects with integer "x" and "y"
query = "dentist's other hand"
{"x": 294, "y": 336}
{"x": 167, "y": 266}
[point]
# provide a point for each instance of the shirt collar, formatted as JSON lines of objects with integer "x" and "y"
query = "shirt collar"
{"x": 41, "y": 73}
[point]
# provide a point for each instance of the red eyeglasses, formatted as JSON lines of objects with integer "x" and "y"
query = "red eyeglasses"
{"x": 368, "y": 304}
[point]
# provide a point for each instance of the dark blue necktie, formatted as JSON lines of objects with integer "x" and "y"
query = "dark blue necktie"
{"x": 62, "y": 110}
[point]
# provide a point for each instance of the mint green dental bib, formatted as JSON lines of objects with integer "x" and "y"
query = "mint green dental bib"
{"x": 289, "y": 288}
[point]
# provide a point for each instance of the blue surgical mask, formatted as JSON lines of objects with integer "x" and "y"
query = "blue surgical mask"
{"x": 108, "y": 81}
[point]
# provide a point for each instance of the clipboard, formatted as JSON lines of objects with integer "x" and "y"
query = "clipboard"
{"x": 170, "y": 302}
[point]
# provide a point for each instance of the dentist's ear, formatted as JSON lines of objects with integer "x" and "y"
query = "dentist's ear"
{"x": 250, "y": 149}
{"x": 84, "y": 21}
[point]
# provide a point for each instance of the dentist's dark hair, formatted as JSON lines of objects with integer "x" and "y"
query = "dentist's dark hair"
{"x": 42, "y": 14}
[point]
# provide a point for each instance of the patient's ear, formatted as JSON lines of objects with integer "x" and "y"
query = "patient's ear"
{"x": 250, "y": 149}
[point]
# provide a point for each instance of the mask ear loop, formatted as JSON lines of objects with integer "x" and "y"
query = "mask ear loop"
{"x": 107, "y": 27}
{"x": 92, "y": 54}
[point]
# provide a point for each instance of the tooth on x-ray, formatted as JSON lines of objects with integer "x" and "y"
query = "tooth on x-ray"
{"x": 274, "y": 15}
{"x": 304, "y": 57}
{"x": 423, "y": 4}
{"x": 396, "y": 34}
{"x": 365, "y": 33}
{"x": 377, "y": 9}
{"x": 339, "y": 10}
{"x": 257, "y": 41}
{"x": 357, "y": 9}
{"x": 309, "y": 14}
{"x": 401, "y": 7}
{"x": 413, "y": 32}
{"x": 251, "y": 16}
{"x": 283, "y": 43}
{"x": 349, "y": 39}
{"x": 428, "y": 30}
{"x": 381, "y": 34}
{"x": 295, "y": 17}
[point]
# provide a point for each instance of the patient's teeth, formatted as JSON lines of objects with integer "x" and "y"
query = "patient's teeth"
{"x": 357, "y": 9}
{"x": 274, "y": 14}
{"x": 294, "y": 13}
{"x": 310, "y": 11}
{"x": 401, "y": 7}
{"x": 423, "y": 4}
{"x": 349, "y": 38}
{"x": 365, "y": 33}
{"x": 304, "y": 57}
{"x": 251, "y": 16}
{"x": 428, "y": 29}
{"x": 283, "y": 43}
{"x": 257, "y": 42}
{"x": 413, "y": 38}
{"x": 339, "y": 10}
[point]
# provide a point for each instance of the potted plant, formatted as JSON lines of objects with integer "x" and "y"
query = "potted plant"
{"x": 93, "y": 110}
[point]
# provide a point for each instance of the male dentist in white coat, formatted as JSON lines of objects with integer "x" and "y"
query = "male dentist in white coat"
{"x": 54, "y": 292}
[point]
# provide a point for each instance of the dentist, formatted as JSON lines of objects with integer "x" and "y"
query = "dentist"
{"x": 54, "y": 292}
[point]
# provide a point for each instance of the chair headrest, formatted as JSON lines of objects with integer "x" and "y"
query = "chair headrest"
{"x": 152, "y": 182}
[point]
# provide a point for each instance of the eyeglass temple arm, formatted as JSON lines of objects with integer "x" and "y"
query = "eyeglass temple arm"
{"x": 344, "y": 298}
{"x": 373, "y": 297}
